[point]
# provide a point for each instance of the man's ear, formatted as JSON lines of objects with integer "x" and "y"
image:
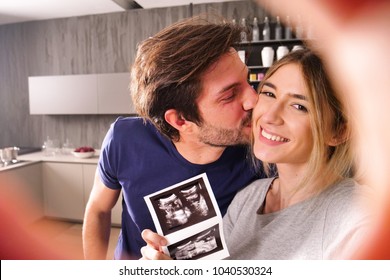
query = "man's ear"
{"x": 176, "y": 120}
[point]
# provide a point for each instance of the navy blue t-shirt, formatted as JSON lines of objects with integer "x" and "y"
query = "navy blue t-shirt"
{"x": 136, "y": 158}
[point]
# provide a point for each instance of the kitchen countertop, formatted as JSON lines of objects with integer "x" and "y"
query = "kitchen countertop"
{"x": 17, "y": 165}
{"x": 32, "y": 158}
{"x": 68, "y": 158}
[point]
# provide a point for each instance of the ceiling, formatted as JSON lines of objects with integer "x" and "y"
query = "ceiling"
{"x": 12, "y": 11}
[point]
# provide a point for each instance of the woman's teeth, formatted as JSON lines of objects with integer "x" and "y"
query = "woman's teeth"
{"x": 273, "y": 137}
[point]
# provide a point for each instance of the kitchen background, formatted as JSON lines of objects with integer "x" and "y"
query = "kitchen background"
{"x": 94, "y": 44}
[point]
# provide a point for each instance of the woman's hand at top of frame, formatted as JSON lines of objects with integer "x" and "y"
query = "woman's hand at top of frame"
{"x": 153, "y": 249}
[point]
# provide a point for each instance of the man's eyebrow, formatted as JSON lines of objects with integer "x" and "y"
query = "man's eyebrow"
{"x": 228, "y": 87}
{"x": 234, "y": 84}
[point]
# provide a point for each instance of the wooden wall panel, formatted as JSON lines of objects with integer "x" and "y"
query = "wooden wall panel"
{"x": 79, "y": 45}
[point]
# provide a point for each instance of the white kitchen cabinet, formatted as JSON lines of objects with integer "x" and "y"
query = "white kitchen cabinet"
{"x": 113, "y": 95}
{"x": 66, "y": 189}
{"x": 80, "y": 94}
{"x": 63, "y": 190}
{"x": 25, "y": 181}
{"x": 89, "y": 174}
{"x": 59, "y": 95}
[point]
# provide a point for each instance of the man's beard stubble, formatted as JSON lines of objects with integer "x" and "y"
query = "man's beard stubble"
{"x": 222, "y": 137}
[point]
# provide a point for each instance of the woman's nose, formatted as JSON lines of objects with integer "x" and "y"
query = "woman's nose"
{"x": 272, "y": 113}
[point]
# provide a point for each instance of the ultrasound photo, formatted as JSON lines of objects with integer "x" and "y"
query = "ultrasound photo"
{"x": 187, "y": 214}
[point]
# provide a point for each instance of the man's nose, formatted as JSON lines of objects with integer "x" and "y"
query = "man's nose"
{"x": 250, "y": 98}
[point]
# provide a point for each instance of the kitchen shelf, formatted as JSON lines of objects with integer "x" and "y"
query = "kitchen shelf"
{"x": 253, "y": 54}
{"x": 270, "y": 43}
{"x": 255, "y": 67}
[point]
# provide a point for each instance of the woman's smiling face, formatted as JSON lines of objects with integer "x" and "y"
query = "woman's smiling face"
{"x": 281, "y": 120}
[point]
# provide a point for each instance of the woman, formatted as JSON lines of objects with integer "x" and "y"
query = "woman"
{"x": 308, "y": 211}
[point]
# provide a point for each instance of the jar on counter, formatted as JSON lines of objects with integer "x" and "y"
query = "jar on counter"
{"x": 9, "y": 155}
{"x": 67, "y": 147}
{"x": 51, "y": 147}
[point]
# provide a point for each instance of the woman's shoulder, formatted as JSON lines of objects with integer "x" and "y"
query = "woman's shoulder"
{"x": 345, "y": 190}
{"x": 347, "y": 197}
{"x": 254, "y": 189}
{"x": 249, "y": 199}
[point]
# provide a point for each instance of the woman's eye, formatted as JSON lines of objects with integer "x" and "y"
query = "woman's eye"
{"x": 267, "y": 93}
{"x": 300, "y": 107}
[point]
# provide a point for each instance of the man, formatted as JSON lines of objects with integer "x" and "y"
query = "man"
{"x": 190, "y": 88}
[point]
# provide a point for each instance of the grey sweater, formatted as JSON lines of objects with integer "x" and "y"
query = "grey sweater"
{"x": 327, "y": 226}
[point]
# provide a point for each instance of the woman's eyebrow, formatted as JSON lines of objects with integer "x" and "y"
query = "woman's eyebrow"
{"x": 268, "y": 84}
{"x": 294, "y": 95}
{"x": 298, "y": 96}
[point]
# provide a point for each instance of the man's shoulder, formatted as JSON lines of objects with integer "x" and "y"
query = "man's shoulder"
{"x": 242, "y": 150}
{"x": 130, "y": 122}
{"x": 133, "y": 125}
{"x": 136, "y": 131}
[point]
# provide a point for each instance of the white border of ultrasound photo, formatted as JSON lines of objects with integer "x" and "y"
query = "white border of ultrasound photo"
{"x": 187, "y": 214}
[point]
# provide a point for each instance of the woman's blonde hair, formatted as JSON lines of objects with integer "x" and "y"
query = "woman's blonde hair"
{"x": 329, "y": 122}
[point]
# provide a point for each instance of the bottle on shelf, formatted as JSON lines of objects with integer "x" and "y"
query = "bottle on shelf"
{"x": 310, "y": 32}
{"x": 244, "y": 36}
{"x": 288, "y": 29}
{"x": 278, "y": 29}
{"x": 299, "y": 32}
{"x": 255, "y": 30}
{"x": 266, "y": 30}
